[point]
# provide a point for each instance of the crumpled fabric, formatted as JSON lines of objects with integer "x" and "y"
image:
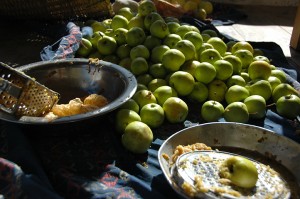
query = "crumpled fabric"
{"x": 64, "y": 48}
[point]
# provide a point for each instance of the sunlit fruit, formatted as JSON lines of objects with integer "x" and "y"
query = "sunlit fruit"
{"x": 235, "y": 80}
{"x": 260, "y": 87}
{"x": 171, "y": 40}
{"x": 139, "y": 51}
{"x": 162, "y": 93}
{"x": 242, "y": 45}
{"x": 216, "y": 90}
{"x": 205, "y": 72}
{"x": 158, "y": 52}
{"x": 224, "y": 69}
{"x": 187, "y": 48}
{"x": 131, "y": 105}
{"x": 155, "y": 83}
{"x": 288, "y": 106}
{"x": 236, "y": 112}
{"x": 183, "y": 82}
{"x": 218, "y": 44}
{"x": 195, "y": 38}
{"x": 146, "y": 7}
{"x": 259, "y": 70}
{"x": 199, "y": 93}
{"x": 124, "y": 117}
{"x": 210, "y": 55}
{"x": 107, "y": 45}
{"x": 135, "y": 36}
{"x": 172, "y": 59}
{"x": 176, "y": 110}
{"x": 119, "y": 21}
{"x": 245, "y": 56}
{"x": 256, "y": 106}
{"x": 143, "y": 97}
{"x": 282, "y": 90}
{"x": 235, "y": 62}
{"x": 236, "y": 93}
{"x": 159, "y": 29}
{"x": 280, "y": 74}
{"x": 212, "y": 111}
{"x": 85, "y": 48}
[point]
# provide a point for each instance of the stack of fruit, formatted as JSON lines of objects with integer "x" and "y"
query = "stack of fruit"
{"x": 176, "y": 64}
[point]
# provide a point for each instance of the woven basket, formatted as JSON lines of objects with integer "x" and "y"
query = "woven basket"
{"x": 54, "y": 9}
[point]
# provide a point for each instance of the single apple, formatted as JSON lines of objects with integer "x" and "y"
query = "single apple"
{"x": 120, "y": 36}
{"x": 85, "y": 48}
{"x": 260, "y": 87}
{"x": 143, "y": 97}
{"x": 173, "y": 59}
{"x": 205, "y": 72}
{"x": 135, "y": 36}
{"x": 224, "y": 69}
{"x": 123, "y": 51}
{"x": 171, "y": 40}
{"x": 212, "y": 111}
{"x": 176, "y": 110}
{"x": 245, "y": 56}
{"x": 136, "y": 21}
{"x": 183, "y": 82}
{"x": 235, "y": 62}
{"x": 241, "y": 171}
{"x": 216, "y": 90}
{"x": 203, "y": 47}
{"x": 139, "y": 51}
{"x": 153, "y": 115}
{"x": 162, "y": 93}
{"x": 187, "y": 48}
{"x": 139, "y": 66}
{"x": 283, "y": 89}
{"x": 259, "y": 70}
{"x": 157, "y": 53}
{"x": 98, "y": 26}
{"x": 236, "y": 93}
{"x": 261, "y": 58}
{"x": 199, "y": 93}
{"x": 107, "y": 45}
{"x": 157, "y": 70}
{"x": 137, "y": 137}
{"x": 235, "y": 80}
{"x": 236, "y": 112}
{"x": 288, "y": 106}
{"x": 195, "y": 38}
{"x": 151, "y": 42}
{"x": 131, "y": 105}
{"x": 150, "y": 18}
{"x": 155, "y": 83}
{"x": 210, "y": 55}
{"x": 173, "y": 26}
{"x": 274, "y": 81}
{"x": 280, "y": 74}
{"x": 159, "y": 29}
{"x": 218, "y": 44}
{"x": 124, "y": 117}
{"x": 190, "y": 66}
{"x": 256, "y": 106}
{"x": 146, "y": 7}
{"x": 119, "y": 21}
{"x": 126, "y": 12}
{"x": 183, "y": 29}
{"x": 242, "y": 45}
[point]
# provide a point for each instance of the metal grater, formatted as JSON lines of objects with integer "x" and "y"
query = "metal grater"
{"x": 21, "y": 95}
{"x": 206, "y": 163}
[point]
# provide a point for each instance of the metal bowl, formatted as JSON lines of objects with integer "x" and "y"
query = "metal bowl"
{"x": 73, "y": 78}
{"x": 276, "y": 150}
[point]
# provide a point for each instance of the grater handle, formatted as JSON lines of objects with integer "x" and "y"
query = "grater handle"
{"x": 10, "y": 88}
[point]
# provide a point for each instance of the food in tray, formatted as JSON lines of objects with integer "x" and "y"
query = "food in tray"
{"x": 200, "y": 171}
{"x": 77, "y": 106}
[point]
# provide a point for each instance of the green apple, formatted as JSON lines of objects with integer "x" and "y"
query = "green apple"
{"x": 153, "y": 115}
{"x": 205, "y": 72}
{"x": 183, "y": 82}
{"x": 235, "y": 80}
{"x": 173, "y": 59}
{"x": 256, "y": 106}
{"x": 205, "y": 37}
{"x": 224, "y": 69}
{"x": 156, "y": 83}
{"x": 137, "y": 137}
{"x": 144, "y": 79}
{"x": 261, "y": 58}
{"x": 107, "y": 45}
{"x": 242, "y": 45}
{"x": 235, "y": 62}
{"x": 229, "y": 45}
{"x": 190, "y": 66}
{"x": 171, "y": 40}
{"x": 159, "y": 29}
{"x": 236, "y": 93}
{"x": 183, "y": 29}
{"x": 216, "y": 90}
{"x": 280, "y": 74}
{"x": 210, "y": 32}
{"x": 151, "y": 42}
{"x": 125, "y": 63}
{"x": 288, "y": 106}
{"x": 236, "y": 112}
{"x": 173, "y": 26}
{"x": 143, "y": 97}
{"x": 95, "y": 38}
{"x": 260, "y": 87}
{"x": 124, "y": 117}
{"x": 162, "y": 93}
{"x": 139, "y": 66}
{"x": 141, "y": 87}
{"x": 172, "y": 19}
{"x": 85, "y": 48}
{"x": 195, "y": 38}
{"x": 150, "y": 18}
{"x": 259, "y": 70}
{"x": 157, "y": 53}
{"x": 245, "y": 56}
{"x": 210, "y": 55}
{"x": 139, "y": 51}
{"x": 98, "y": 26}
{"x": 241, "y": 171}
{"x": 199, "y": 93}
{"x": 119, "y": 21}
{"x": 126, "y": 12}
{"x": 246, "y": 77}
{"x": 283, "y": 89}
{"x": 157, "y": 70}
{"x": 274, "y": 81}
{"x": 146, "y": 7}
{"x": 204, "y": 47}
{"x": 123, "y": 51}
{"x": 107, "y": 22}
{"x": 131, "y": 105}
{"x": 109, "y": 32}
{"x": 136, "y": 21}
{"x": 176, "y": 110}
{"x": 212, "y": 111}
{"x": 120, "y": 36}
{"x": 135, "y": 36}
{"x": 187, "y": 48}
{"x": 218, "y": 44}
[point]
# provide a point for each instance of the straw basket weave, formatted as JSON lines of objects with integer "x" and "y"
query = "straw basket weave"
{"x": 54, "y": 9}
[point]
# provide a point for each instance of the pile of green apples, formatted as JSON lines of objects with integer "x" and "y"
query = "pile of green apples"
{"x": 175, "y": 64}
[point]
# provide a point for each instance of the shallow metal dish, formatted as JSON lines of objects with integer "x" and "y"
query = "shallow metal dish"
{"x": 73, "y": 78}
{"x": 270, "y": 145}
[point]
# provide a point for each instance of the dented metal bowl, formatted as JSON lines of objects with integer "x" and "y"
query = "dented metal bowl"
{"x": 73, "y": 78}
